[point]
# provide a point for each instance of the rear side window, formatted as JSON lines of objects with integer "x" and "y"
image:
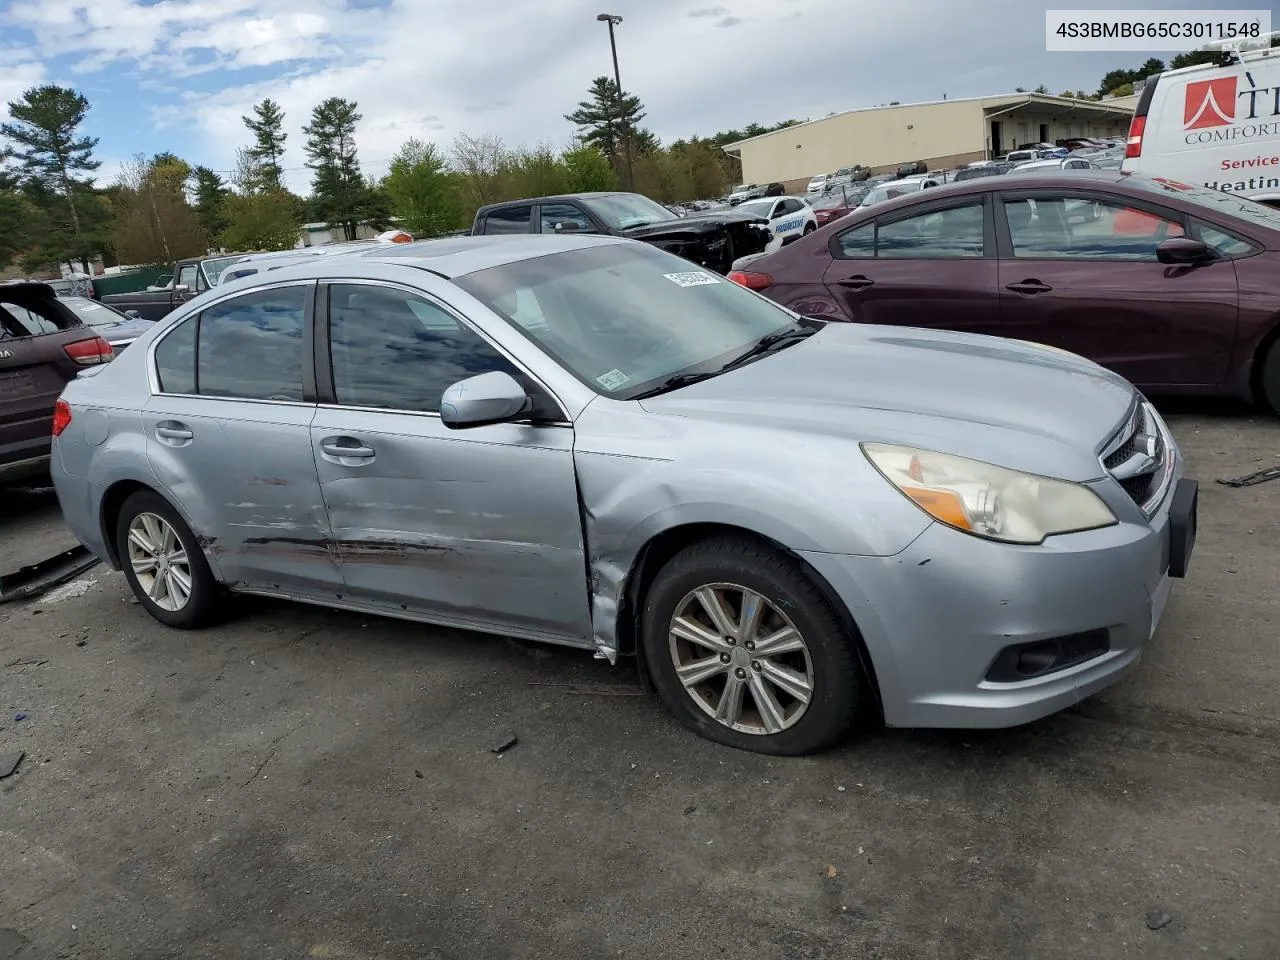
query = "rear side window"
{"x": 176, "y": 359}
{"x": 515, "y": 219}
{"x": 250, "y": 347}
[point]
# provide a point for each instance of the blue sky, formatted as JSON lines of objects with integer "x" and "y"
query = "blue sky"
{"x": 178, "y": 74}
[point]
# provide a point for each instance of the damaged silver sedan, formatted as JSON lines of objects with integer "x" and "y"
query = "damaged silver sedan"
{"x": 797, "y": 528}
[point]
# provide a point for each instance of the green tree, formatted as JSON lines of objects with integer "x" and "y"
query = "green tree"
{"x": 588, "y": 169}
{"x": 533, "y": 172}
{"x": 1150, "y": 68}
{"x": 1124, "y": 90}
{"x": 15, "y": 216}
{"x": 479, "y": 162}
{"x": 1195, "y": 58}
{"x": 605, "y": 119}
{"x": 51, "y": 151}
{"x": 421, "y": 190}
{"x": 706, "y": 173}
{"x": 210, "y": 196}
{"x": 339, "y": 191}
{"x": 267, "y": 127}
{"x": 152, "y": 222}
{"x": 260, "y": 221}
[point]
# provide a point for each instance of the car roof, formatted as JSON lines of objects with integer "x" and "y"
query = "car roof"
{"x": 447, "y": 257}
{"x": 586, "y": 195}
{"x": 1051, "y": 177}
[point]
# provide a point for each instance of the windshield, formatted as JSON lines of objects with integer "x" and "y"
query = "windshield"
{"x": 213, "y": 268}
{"x": 760, "y": 208}
{"x": 92, "y": 313}
{"x": 623, "y": 318}
{"x": 623, "y": 210}
{"x": 1219, "y": 201}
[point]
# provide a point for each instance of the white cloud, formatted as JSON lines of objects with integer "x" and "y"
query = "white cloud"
{"x": 18, "y": 75}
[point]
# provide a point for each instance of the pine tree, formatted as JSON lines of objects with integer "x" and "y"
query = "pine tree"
{"x": 51, "y": 152}
{"x": 267, "y": 127}
{"x": 339, "y": 191}
{"x": 607, "y": 119}
{"x": 211, "y": 194}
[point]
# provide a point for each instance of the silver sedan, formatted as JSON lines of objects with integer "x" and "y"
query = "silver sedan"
{"x": 797, "y": 528}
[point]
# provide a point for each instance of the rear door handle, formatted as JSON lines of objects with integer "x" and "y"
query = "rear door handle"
{"x": 857, "y": 282}
{"x": 1029, "y": 286}
{"x": 344, "y": 447}
{"x": 172, "y": 430}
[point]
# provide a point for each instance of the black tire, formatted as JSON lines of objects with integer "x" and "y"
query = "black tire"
{"x": 205, "y": 601}
{"x": 809, "y": 228}
{"x": 1269, "y": 378}
{"x": 840, "y": 688}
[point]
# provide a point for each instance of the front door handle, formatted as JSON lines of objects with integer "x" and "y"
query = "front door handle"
{"x": 346, "y": 447}
{"x": 856, "y": 282}
{"x": 1029, "y": 287}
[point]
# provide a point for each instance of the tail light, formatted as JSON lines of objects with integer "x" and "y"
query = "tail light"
{"x": 89, "y": 352}
{"x": 1133, "y": 148}
{"x": 61, "y": 417}
{"x": 752, "y": 281}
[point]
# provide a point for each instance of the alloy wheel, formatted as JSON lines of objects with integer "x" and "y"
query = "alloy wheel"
{"x": 741, "y": 659}
{"x": 159, "y": 561}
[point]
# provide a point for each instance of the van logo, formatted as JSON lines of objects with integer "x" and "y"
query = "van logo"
{"x": 1208, "y": 103}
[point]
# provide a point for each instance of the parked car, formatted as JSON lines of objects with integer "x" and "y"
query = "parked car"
{"x": 898, "y": 188}
{"x": 745, "y": 191}
{"x": 191, "y": 277}
{"x": 43, "y": 344}
{"x": 917, "y": 169}
{"x": 710, "y": 239}
{"x": 833, "y": 206}
{"x": 817, "y": 183}
{"x": 797, "y": 527}
{"x": 1207, "y": 124}
{"x": 118, "y": 329}
{"x": 846, "y": 175}
{"x": 1079, "y": 143}
{"x": 775, "y": 190}
{"x": 1172, "y": 286}
{"x": 974, "y": 171}
{"x": 1045, "y": 166}
{"x": 789, "y": 218}
{"x": 75, "y": 285}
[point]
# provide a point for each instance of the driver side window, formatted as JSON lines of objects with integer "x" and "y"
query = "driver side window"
{"x": 395, "y": 350}
{"x": 187, "y": 275}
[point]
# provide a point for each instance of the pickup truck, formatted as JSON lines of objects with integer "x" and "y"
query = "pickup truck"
{"x": 711, "y": 240}
{"x": 191, "y": 277}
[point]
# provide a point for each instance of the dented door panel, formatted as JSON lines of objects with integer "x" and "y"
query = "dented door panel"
{"x": 476, "y": 527}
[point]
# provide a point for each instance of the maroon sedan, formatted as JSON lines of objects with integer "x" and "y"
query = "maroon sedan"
{"x": 1175, "y": 287}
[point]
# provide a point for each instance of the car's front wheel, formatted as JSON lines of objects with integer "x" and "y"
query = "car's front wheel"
{"x": 1269, "y": 378}
{"x": 746, "y": 651}
{"x": 809, "y": 228}
{"x": 164, "y": 564}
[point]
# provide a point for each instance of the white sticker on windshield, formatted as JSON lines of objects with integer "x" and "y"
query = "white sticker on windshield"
{"x": 613, "y": 379}
{"x": 695, "y": 278}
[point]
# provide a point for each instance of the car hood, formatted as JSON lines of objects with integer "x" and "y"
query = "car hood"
{"x": 694, "y": 223}
{"x": 1007, "y": 402}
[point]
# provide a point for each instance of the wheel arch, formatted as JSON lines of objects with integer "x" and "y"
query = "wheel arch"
{"x": 664, "y": 545}
{"x": 1257, "y": 363}
{"x": 113, "y": 500}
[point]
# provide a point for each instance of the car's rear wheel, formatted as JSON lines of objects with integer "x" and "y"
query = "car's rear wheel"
{"x": 164, "y": 564}
{"x": 1269, "y": 377}
{"x": 809, "y": 228}
{"x": 746, "y": 651}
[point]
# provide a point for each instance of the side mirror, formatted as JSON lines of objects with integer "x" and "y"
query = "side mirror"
{"x": 569, "y": 226}
{"x": 181, "y": 288}
{"x": 488, "y": 398}
{"x": 1182, "y": 250}
{"x": 133, "y": 313}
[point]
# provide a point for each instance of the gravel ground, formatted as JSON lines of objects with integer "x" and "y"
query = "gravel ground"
{"x": 300, "y": 783}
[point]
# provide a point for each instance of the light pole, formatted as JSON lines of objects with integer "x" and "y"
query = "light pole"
{"x": 612, "y": 20}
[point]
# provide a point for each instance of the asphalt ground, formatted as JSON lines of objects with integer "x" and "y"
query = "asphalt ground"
{"x": 301, "y": 783}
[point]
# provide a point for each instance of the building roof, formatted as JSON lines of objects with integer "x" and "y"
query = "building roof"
{"x": 1004, "y": 102}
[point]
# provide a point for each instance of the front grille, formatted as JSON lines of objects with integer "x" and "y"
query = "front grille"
{"x": 1138, "y": 457}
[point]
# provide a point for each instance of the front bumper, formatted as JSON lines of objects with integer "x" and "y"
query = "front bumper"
{"x": 936, "y": 616}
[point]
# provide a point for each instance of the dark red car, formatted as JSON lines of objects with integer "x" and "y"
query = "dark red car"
{"x": 1175, "y": 287}
{"x": 834, "y": 205}
{"x": 42, "y": 346}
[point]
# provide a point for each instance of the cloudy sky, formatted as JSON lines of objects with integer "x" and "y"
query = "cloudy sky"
{"x": 178, "y": 74}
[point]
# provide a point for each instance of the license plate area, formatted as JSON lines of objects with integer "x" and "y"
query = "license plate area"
{"x": 15, "y": 384}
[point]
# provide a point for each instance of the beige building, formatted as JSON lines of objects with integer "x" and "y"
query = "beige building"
{"x": 944, "y": 133}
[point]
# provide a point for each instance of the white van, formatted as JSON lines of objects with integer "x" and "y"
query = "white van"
{"x": 1213, "y": 125}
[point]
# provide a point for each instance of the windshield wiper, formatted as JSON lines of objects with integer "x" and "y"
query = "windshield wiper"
{"x": 675, "y": 383}
{"x": 768, "y": 344}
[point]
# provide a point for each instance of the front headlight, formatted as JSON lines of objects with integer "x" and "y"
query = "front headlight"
{"x": 986, "y": 500}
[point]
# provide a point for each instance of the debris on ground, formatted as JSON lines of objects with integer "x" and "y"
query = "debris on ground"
{"x": 594, "y": 689}
{"x": 418, "y": 774}
{"x": 1158, "y": 919}
{"x": 39, "y": 578}
{"x": 831, "y": 872}
{"x": 1262, "y": 476}
{"x": 690, "y": 809}
{"x": 9, "y": 763}
{"x": 70, "y": 591}
{"x": 19, "y": 717}
{"x": 506, "y": 745}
